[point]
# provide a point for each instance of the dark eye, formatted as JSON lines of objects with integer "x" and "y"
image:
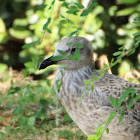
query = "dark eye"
{"x": 73, "y": 49}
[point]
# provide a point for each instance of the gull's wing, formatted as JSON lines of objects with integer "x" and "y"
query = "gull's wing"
{"x": 111, "y": 85}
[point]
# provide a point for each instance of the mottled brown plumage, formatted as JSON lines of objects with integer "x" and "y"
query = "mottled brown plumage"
{"x": 94, "y": 108}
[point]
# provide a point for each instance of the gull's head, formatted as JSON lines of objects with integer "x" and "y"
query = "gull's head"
{"x": 74, "y": 53}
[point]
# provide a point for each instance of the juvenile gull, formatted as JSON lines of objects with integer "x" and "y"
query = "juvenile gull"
{"x": 94, "y": 107}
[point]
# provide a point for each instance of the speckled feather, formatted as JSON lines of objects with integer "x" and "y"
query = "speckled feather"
{"x": 94, "y": 108}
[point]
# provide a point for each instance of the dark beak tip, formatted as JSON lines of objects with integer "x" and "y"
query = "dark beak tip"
{"x": 47, "y": 62}
{"x": 41, "y": 66}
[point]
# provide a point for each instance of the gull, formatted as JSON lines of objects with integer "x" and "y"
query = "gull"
{"x": 94, "y": 107}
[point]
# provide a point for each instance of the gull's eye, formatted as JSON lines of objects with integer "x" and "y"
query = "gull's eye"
{"x": 73, "y": 50}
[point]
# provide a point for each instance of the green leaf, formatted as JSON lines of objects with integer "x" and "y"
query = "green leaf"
{"x": 92, "y": 88}
{"x": 121, "y": 117}
{"x": 125, "y": 12}
{"x": 97, "y": 133}
{"x": 87, "y": 82}
{"x": 77, "y": 55}
{"x": 99, "y": 128}
{"x": 46, "y": 24}
{"x": 62, "y": 16}
{"x": 113, "y": 101}
{"x": 69, "y": 43}
{"x": 52, "y": 2}
{"x": 41, "y": 7}
{"x": 102, "y": 123}
{"x": 107, "y": 130}
{"x": 117, "y": 53}
{"x": 125, "y": 94}
{"x": 136, "y": 34}
{"x": 137, "y": 97}
{"x": 59, "y": 83}
{"x": 49, "y": 8}
{"x": 92, "y": 137}
{"x": 57, "y": 58}
{"x": 79, "y": 45}
{"x": 133, "y": 93}
{"x": 112, "y": 60}
{"x": 63, "y": 21}
{"x": 113, "y": 64}
{"x": 71, "y": 57}
{"x": 129, "y": 89}
{"x": 65, "y": 4}
{"x": 111, "y": 117}
{"x": 137, "y": 38}
{"x": 80, "y": 6}
{"x": 127, "y": 1}
{"x": 30, "y": 44}
{"x": 62, "y": 52}
{"x": 29, "y": 64}
{"x": 113, "y": 113}
{"x": 73, "y": 10}
{"x": 89, "y": 9}
{"x": 105, "y": 65}
{"x": 119, "y": 101}
{"x": 25, "y": 72}
{"x": 121, "y": 48}
{"x": 130, "y": 103}
{"x": 48, "y": 30}
{"x": 131, "y": 52}
{"x": 73, "y": 33}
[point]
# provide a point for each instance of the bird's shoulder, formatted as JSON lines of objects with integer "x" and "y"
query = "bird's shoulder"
{"x": 113, "y": 85}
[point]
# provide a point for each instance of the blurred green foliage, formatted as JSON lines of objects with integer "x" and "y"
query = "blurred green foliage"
{"x": 108, "y": 25}
{"x": 29, "y": 30}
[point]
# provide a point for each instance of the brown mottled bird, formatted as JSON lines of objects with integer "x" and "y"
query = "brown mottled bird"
{"x": 95, "y": 106}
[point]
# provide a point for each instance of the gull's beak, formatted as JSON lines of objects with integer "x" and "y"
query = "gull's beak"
{"x": 47, "y": 62}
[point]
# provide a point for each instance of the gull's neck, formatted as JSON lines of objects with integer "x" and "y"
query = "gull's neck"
{"x": 83, "y": 72}
{"x": 82, "y": 67}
